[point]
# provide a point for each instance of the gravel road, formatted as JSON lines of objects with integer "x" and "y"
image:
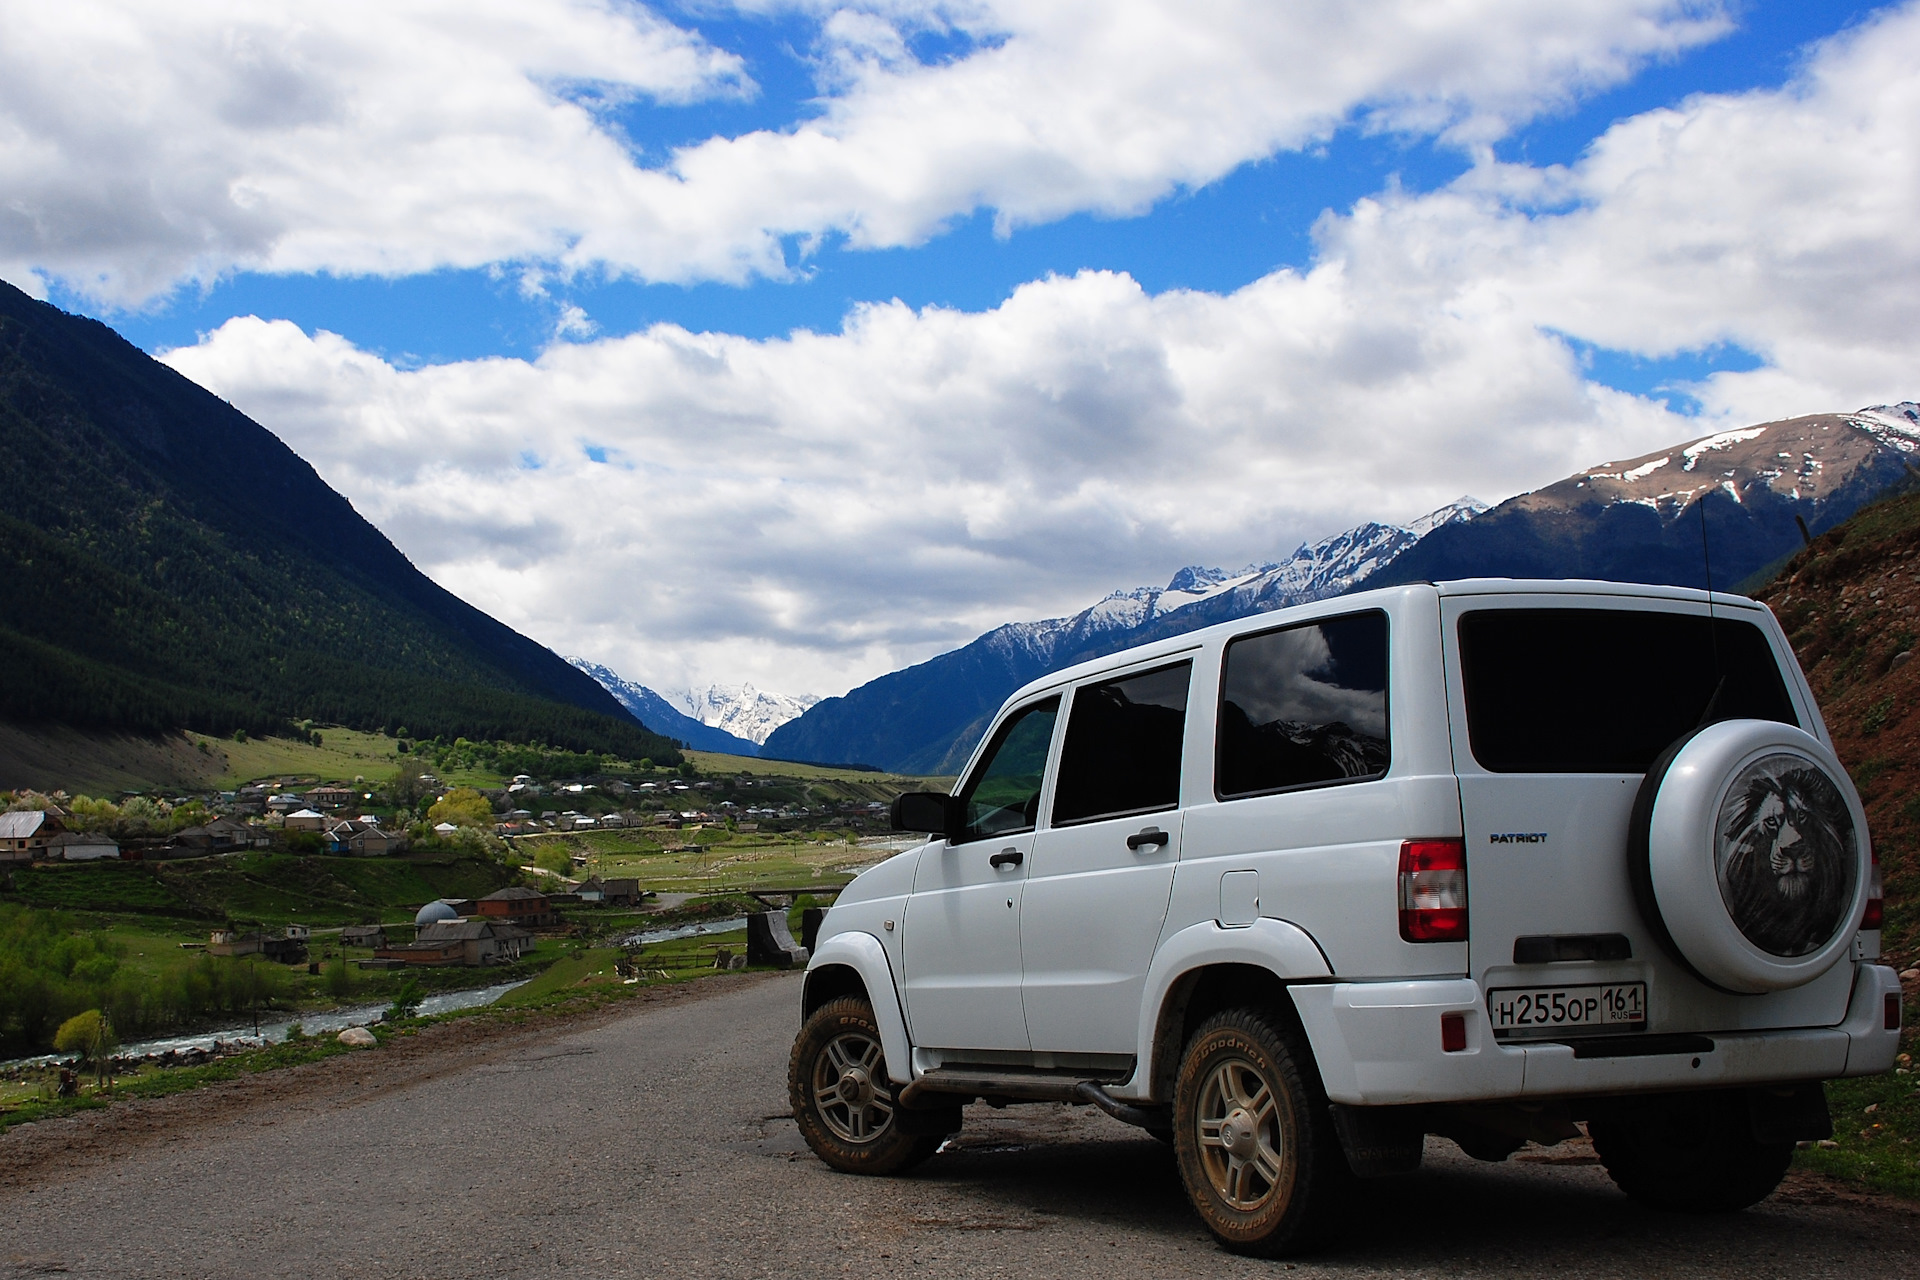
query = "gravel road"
{"x": 653, "y": 1142}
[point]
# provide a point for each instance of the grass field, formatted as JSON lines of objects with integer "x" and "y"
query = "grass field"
{"x": 715, "y": 763}
{"x": 723, "y": 862}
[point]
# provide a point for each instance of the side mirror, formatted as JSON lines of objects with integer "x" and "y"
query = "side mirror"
{"x": 927, "y": 811}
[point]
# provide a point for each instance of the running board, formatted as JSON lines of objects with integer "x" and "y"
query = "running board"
{"x": 949, "y": 1087}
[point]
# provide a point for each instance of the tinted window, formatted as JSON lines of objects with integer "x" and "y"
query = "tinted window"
{"x": 1305, "y": 706}
{"x": 1122, "y": 753}
{"x": 1003, "y": 795}
{"x": 1606, "y": 690}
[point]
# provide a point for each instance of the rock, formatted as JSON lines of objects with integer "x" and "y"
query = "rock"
{"x": 1908, "y": 975}
{"x": 358, "y": 1038}
{"x": 1902, "y": 656}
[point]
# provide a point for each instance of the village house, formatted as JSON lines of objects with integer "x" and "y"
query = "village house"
{"x": 462, "y": 942}
{"x": 371, "y": 936}
{"x": 307, "y": 820}
{"x": 619, "y": 893}
{"x": 24, "y": 836}
{"x": 82, "y": 846}
{"x": 521, "y": 906}
{"x": 332, "y": 796}
{"x": 222, "y": 835}
{"x": 285, "y": 949}
{"x": 363, "y": 839}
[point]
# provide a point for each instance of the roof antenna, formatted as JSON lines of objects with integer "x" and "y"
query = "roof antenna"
{"x": 1713, "y": 627}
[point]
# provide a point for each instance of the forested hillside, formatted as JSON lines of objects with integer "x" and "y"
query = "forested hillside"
{"x": 172, "y": 564}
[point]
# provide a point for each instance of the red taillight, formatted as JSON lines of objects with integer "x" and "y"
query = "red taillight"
{"x": 1453, "y": 1033}
{"x": 1876, "y": 897}
{"x": 1892, "y": 1019}
{"x": 1433, "y": 890}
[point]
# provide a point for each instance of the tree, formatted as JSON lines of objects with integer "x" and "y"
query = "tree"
{"x": 90, "y": 1035}
{"x": 463, "y": 807}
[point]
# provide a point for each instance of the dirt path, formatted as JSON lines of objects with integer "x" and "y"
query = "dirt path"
{"x": 653, "y": 1140}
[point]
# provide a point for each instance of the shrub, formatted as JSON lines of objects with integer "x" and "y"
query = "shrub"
{"x": 88, "y": 1034}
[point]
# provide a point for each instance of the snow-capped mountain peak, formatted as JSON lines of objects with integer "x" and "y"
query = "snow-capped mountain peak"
{"x": 1895, "y": 425}
{"x": 741, "y": 709}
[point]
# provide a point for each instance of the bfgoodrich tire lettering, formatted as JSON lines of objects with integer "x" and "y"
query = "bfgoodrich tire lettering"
{"x": 1254, "y": 1139}
{"x": 843, "y": 1098}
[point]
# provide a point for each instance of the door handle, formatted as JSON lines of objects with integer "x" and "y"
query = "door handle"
{"x": 1152, "y": 835}
{"x": 1006, "y": 858}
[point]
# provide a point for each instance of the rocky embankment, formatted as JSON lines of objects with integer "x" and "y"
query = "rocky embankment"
{"x": 1851, "y": 606}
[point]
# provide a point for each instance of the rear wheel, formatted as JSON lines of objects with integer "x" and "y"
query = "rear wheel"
{"x": 843, "y": 1099}
{"x": 1690, "y": 1153}
{"x": 1254, "y": 1138}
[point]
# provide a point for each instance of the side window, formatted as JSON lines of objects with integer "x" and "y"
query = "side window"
{"x": 1003, "y": 795}
{"x": 1122, "y": 753}
{"x": 1305, "y": 706}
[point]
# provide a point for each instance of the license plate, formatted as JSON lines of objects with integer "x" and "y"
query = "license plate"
{"x": 1519, "y": 1010}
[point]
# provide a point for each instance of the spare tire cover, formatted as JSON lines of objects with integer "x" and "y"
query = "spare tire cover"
{"x": 1749, "y": 855}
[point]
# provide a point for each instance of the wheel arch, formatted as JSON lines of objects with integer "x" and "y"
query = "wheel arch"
{"x": 1206, "y": 968}
{"x": 856, "y": 964}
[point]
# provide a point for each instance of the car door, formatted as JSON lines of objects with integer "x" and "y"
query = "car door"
{"x": 1103, "y": 867}
{"x": 960, "y": 943}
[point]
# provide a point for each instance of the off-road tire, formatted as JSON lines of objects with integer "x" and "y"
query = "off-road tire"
{"x": 1689, "y": 1153}
{"x": 1268, "y": 1178}
{"x": 855, "y": 1127}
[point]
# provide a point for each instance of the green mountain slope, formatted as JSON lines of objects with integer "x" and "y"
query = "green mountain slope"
{"x": 171, "y": 563}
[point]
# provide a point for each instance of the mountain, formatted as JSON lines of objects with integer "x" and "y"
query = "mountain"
{"x": 1639, "y": 520}
{"x": 1633, "y": 521}
{"x": 742, "y": 710}
{"x": 927, "y": 718}
{"x": 654, "y": 710}
{"x": 172, "y": 564}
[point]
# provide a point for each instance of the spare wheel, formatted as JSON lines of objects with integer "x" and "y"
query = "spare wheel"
{"x": 1749, "y": 857}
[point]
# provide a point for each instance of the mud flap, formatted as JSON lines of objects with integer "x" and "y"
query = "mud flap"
{"x": 1790, "y": 1113}
{"x": 1380, "y": 1141}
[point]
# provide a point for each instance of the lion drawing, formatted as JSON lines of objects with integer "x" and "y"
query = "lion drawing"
{"x": 1785, "y": 855}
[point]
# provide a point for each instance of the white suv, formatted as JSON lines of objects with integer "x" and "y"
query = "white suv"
{"x": 1480, "y": 859}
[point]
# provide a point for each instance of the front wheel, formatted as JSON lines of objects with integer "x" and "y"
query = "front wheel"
{"x": 843, "y": 1099}
{"x": 1254, "y": 1138}
{"x": 1690, "y": 1153}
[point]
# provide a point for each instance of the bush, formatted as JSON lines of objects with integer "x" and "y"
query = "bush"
{"x": 339, "y": 978}
{"x": 88, "y": 1034}
{"x": 406, "y": 998}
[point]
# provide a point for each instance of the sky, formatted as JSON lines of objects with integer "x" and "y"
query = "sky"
{"x": 789, "y": 341}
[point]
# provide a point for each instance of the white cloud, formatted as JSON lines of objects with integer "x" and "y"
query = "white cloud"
{"x": 141, "y": 145}
{"x": 809, "y": 511}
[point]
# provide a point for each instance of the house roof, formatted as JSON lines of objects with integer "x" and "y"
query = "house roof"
{"x": 467, "y": 930}
{"x": 307, "y": 813}
{"x": 18, "y": 826}
{"x": 67, "y": 838}
{"x": 513, "y": 893}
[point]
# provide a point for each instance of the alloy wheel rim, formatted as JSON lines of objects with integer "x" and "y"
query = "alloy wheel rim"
{"x": 1241, "y": 1138}
{"x": 849, "y": 1089}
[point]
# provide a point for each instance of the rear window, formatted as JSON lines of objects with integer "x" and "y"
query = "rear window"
{"x": 1607, "y": 690}
{"x": 1304, "y": 706}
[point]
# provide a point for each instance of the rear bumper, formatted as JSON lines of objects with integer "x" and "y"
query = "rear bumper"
{"x": 1378, "y": 1044}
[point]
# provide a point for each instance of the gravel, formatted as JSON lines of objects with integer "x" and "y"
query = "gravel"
{"x": 652, "y": 1139}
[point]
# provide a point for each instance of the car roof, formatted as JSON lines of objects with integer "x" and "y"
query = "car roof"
{"x": 1381, "y": 597}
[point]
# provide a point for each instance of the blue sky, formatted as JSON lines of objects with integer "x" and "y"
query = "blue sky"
{"x": 1217, "y": 238}
{"x": 1184, "y": 283}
